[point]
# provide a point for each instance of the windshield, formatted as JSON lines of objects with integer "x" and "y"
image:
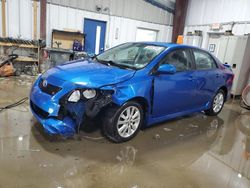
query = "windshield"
{"x": 130, "y": 55}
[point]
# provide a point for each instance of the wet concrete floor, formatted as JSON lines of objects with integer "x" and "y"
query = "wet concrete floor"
{"x": 192, "y": 151}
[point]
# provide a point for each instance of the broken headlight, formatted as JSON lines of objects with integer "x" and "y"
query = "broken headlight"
{"x": 86, "y": 94}
{"x": 89, "y": 93}
{"x": 75, "y": 96}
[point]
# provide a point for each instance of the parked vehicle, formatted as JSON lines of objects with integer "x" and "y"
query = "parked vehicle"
{"x": 130, "y": 86}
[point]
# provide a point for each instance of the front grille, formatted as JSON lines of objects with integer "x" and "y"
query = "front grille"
{"x": 40, "y": 112}
{"x": 49, "y": 88}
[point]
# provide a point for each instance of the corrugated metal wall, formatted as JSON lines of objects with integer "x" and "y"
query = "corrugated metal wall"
{"x": 202, "y": 13}
{"x": 214, "y": 11}
{"x": 1, "y": 18}
{"x": 61, "y": 17}
{"x": 20, "y": 21}
{"x": 19, "y": 18}
{"x": 134, "y": 9}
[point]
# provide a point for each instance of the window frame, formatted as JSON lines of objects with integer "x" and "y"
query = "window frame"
{"x": 203, "y": 52}
{"x": 188, "y": 50}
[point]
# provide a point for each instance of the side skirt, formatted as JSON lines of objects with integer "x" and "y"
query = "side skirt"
{"x": 153, "y": 120}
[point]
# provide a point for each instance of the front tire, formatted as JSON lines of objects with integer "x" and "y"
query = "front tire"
{"x": 217, "y": 104}
{"x": 121, "y": 124}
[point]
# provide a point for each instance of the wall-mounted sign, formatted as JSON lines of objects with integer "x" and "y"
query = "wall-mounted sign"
{"x": 215, "y": 26}
{"x": 211, "y": 48}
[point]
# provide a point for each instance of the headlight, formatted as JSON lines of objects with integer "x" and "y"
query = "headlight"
{"x": 89, "y": 93}
{"x": 75, "y": 96}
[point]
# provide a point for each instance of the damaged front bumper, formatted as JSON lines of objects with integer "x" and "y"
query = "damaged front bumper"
{"x": 58, "y": 116}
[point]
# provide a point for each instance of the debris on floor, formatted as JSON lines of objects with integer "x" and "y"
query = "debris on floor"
{"x": 45, "y": 165}
{"x": 167, "y": 129}
{"x": 157, "y": 137}
{"x": 193, "y": 126}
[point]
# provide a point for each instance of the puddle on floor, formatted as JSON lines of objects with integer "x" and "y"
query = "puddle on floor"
{"x": 192, "y": 151}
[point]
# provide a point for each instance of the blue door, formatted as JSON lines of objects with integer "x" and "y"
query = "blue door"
{"x": 175, "y": 92}
{"x": 95, "y": 35}
{"x": 208, "y": 77}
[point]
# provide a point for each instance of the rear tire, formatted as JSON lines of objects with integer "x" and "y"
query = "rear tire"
{"x": 121, "y": 124}
{"x": 217, "y": 104}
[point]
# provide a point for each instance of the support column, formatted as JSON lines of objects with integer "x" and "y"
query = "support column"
{"x": 35, "y": 19}
{"x": 43, "y": 13}
{"x": 3, "y": 18}
{"x": 179, "y": 18}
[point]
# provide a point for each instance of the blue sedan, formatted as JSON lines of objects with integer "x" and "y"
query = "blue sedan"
{"x": 130, "y": 86}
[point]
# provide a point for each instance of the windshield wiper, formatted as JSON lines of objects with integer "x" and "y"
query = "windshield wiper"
{"x": 102, "y": 61}
{"x": 118, "y": 65}
{"x": 112, "y": 63}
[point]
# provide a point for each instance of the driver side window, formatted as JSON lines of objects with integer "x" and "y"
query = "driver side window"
{"x": 180, "y": 59}
{"x": 127, "y": 54}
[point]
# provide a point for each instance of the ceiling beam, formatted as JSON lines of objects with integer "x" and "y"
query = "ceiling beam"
{"x": 164, "y": 4}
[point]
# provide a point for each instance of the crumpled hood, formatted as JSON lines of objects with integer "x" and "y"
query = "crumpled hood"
{"x": 89, "y": 73}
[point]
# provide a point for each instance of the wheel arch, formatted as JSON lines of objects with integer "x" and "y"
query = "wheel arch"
{"x": 224, "y": 88}
{"x": 142, "y": 101}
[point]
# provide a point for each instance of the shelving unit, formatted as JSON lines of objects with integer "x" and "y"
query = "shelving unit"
{"x": 66, "y": 39}
{"x": 18, "y": 45}
{"x": 31, "y": 48}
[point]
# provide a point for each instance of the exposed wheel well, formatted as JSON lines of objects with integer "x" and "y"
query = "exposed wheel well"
{"x": 142, "y": 101}
{"x": 224, "y": 88}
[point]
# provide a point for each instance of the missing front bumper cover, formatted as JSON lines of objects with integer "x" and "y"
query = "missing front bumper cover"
{"x": 72, "y": 115}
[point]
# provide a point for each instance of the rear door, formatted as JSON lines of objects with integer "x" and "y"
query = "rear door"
{"x": 208, "y": 77}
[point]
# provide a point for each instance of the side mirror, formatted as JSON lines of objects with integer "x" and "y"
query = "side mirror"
{"x": 91, "y": 55}
{"x": 166, "y": 69}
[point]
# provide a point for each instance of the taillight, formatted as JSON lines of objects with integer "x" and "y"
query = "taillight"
{"x": 246, "y": 95}
{"x": 230, "y": 79}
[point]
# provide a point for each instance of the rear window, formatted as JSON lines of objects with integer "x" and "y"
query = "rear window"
{"x": 203, "y": 60}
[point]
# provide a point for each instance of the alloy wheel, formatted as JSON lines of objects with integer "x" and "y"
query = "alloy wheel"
{"x": 218, "y": 102}
{"x": 128, "y": 121}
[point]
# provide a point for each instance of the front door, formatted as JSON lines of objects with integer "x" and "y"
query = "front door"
{"x": 95, "y": 35}
{"x": 175, "y": 92}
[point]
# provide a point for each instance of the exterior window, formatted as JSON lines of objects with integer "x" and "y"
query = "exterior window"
{"x": 180, "y": 59}
{"x": 203, "y": 60}
{"x": 146, "y": 35}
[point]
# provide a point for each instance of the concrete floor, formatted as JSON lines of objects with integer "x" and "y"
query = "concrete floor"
{"x": 193, "y": 151}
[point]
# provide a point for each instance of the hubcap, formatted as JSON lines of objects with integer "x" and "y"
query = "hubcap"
{"x": 128, "y": 121}
{"x": 218, "y": 102}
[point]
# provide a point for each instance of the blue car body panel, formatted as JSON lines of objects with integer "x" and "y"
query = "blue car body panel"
{"x": 165, "y": 96}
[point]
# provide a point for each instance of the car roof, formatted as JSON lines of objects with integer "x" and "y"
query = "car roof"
{"x": 168, "y": 45}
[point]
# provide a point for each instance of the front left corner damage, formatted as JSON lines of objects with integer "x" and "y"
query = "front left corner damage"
{"x": 72, "y": 115}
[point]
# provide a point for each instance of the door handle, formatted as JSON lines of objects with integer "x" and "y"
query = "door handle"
{"x": 190, "y": 78}
{"x": 217, "y": 75}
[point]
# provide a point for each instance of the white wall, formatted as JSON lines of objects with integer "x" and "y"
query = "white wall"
{"x": 1, "y": 18}
{"x": 202, "y": 13}
{"x": 133, "y": 9}
{"x": 61, "y": 17}
{"x": 19, "y": 18}
{"x": 214, "y": 11}
{"x": 19, "y": 22}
